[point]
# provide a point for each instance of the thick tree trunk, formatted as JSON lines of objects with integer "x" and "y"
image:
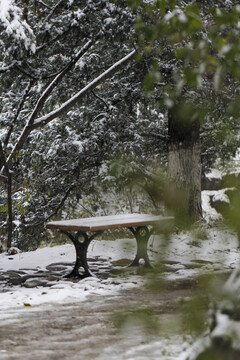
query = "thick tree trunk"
{"x": 185, "y": 173}
{"x": 184, "y": 165}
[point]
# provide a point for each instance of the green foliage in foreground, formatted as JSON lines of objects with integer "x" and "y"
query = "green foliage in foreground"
{"x": 200, "y": 43}
{"x": 195, "y": 52}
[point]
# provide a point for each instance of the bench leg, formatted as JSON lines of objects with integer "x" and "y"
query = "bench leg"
{"x": 81, "y": 253}
{"x": 142, "y": 235}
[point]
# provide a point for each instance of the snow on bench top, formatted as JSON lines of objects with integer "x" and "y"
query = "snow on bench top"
{"x": 109, "y": 222}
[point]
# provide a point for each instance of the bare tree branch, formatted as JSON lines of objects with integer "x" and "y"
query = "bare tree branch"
{"x": 19, "y": 109}
{"x": 101, "y": 99}
{"x": 53, "y": 9}
{"x": 61, "y": 203}
{"x": 26, "y": 72}
{"x": 41, "y": 101}
{"x": 56, "y": 81}
{"x": 9, "y": 67}
{"x": 44, "y": 4}
{"x": 53, "y": 40}
{"x": 158, "y": 136}
{"x": 40, "y": 122}
{"x": 77, "y": 97}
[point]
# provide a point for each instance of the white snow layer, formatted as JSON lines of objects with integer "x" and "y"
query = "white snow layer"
{"x": 181, "y": 250}
{"x": 11, "y": 19}
{"x": 217, "y": 251}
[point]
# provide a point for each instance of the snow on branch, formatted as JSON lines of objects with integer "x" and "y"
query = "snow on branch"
{"x": 40, "y": 122}
{"x": 4, "y": 69}
{"x": 77, "y": 97}
{"x": 57, "y": 79}
{"x": 41, "y": 101}
{"x": 14, "y": 25}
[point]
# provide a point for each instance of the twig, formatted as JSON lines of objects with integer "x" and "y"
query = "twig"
{"x": 61, "y": 203}
{"x": 53, "y": 9}
{"x": 101, "y": 99}
{"x": 44, "y": 4}
{"x": 158, "y": 136}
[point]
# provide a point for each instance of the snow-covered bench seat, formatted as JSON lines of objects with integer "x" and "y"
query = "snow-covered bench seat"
{"x": 141, "y": 225}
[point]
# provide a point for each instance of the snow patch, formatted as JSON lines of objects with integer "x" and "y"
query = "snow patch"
{"x": 11, "y": 19}
{"x": 227, "y": 328}
{"x": 209, "y": 213}
{"x": 214, "y": 174}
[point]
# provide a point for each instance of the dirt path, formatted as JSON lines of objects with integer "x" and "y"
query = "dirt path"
{"x": 89, "y": 330}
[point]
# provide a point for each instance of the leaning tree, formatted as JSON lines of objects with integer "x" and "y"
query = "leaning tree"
{"x": 66, "y": 108}
{"x": 55, "y": 58}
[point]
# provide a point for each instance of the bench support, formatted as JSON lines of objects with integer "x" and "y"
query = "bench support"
{"x": 81, "y": 248}
{"x": 81, "y": 268}
{"x": 142, "y": 235}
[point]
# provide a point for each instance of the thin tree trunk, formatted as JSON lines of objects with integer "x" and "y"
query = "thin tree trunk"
{"x": 8, "y": 179}
{"x": 10, "y": 212}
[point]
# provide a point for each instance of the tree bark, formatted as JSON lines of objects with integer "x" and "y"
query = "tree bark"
{"x": 10, "y": 212}
{"x": 8, "y": 179}
{"x": 184, "y": 165}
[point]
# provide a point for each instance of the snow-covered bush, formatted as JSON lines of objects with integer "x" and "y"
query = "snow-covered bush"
{"x": 14, "y": 26}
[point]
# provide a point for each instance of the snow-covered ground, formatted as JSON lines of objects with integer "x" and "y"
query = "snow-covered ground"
{"x": 61, "y": 290}
{"x": 185, "y": 255}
